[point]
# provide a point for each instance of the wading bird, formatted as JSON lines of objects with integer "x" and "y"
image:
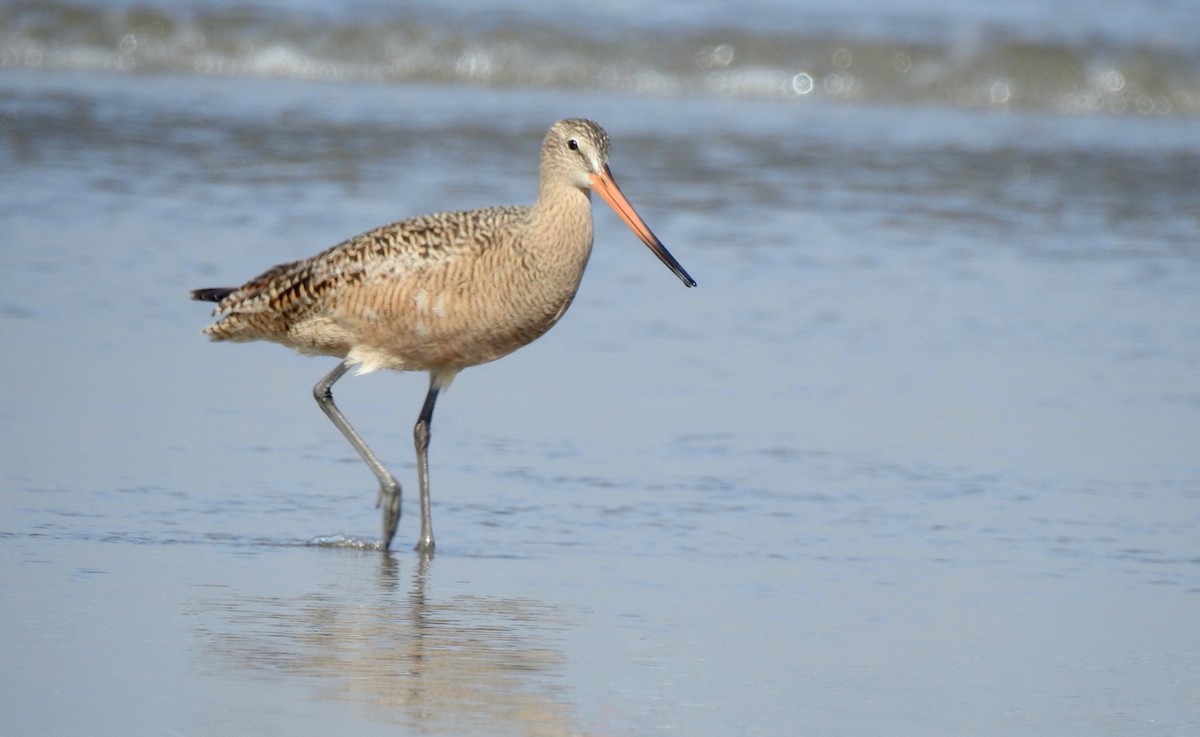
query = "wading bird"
{"x": 437, "y": 293}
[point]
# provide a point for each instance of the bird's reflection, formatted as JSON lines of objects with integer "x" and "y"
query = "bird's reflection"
{"x": 439, "y": 664}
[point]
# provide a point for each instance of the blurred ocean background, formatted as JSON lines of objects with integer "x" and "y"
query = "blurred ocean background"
{"x": 920, "y": 456}
{"x": 1060, "y": 57}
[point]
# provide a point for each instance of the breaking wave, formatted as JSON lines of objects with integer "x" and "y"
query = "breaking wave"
{"x": 986, "y": 66}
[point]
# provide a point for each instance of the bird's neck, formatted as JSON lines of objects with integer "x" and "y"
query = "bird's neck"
{"x": 560, "y": 234}
{"x": 564, "y": 213}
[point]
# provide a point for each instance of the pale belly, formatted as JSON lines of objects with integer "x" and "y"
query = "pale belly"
{"x": 426, "y": 330}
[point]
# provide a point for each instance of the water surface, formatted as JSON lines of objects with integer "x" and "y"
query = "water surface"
{"x": 919, "y": 455}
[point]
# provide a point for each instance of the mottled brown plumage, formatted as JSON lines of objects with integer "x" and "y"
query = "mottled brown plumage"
{"x": 439, "y": 292}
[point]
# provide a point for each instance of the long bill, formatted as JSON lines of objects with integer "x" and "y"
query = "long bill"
{"x": 604, "y": 185}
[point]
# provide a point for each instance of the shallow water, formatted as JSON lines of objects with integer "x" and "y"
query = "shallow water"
{"x": 919, "y": 455}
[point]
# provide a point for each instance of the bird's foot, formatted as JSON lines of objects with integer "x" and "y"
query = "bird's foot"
{"x": 389, "y": 501}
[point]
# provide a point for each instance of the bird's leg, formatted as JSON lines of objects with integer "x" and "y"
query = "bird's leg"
{"x": 389, "y": 488}
{"x": 421, "y": 440}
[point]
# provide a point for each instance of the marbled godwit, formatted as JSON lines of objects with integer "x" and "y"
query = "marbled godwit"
{"x": 437, "y": 293}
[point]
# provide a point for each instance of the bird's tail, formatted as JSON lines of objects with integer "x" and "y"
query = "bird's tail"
{"x": 212, "y": 294}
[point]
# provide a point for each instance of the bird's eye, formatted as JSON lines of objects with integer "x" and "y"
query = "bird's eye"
{"x": 573, "y": 144}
